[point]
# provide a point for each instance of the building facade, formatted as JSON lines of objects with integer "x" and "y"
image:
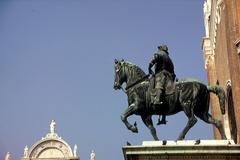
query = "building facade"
{"x": 221, "y": 48}
{"x": 51, "y": 147}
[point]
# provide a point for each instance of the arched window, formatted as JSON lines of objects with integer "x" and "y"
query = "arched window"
{"x": 231, "y": 113}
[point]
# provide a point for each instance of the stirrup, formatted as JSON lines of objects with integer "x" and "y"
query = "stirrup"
{"x": 157, "y": 102}
{"x": 161, "y": 122}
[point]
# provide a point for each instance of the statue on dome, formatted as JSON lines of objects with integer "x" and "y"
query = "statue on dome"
{"x": 93, "y": 155}
{"x": 75, "y": 151}
{"x": 53, "y": 127}
{"x": 25, "y": 153}
{"x": 8, "y": 156}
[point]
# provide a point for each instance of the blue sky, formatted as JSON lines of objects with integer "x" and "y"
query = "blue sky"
{"x": 57, "y": 62}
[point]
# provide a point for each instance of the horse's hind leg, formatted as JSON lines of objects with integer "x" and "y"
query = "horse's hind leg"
{"x": 148, "y": 122}
{"x": 217, "y": 123}
{"x": 192, "y": 120}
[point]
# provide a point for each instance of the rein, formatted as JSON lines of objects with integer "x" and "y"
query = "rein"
{"x": 135, "y": 83}
{"x": 123, "y": 90}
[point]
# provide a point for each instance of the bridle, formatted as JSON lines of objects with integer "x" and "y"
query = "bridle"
{"x": 134, "y": 83}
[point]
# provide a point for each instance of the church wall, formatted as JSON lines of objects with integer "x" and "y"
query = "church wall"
{"x": 223, "y": 27}
{"x": 232, "y": 23}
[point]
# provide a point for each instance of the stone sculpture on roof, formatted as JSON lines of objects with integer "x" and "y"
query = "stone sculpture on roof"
{"x": 92, "y": 155}
{"x": 50, "y": 147}
{"x": 8, "y": 156}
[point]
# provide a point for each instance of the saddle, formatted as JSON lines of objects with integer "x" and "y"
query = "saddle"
{"x": 169, "y": 88}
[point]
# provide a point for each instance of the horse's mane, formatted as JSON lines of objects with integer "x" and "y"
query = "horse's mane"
{"x": 133, "y": 67}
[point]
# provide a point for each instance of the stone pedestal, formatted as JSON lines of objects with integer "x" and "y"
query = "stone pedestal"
{"x": 187, "y": 149}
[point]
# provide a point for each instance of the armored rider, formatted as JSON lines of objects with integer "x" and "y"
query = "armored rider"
{"x": 163, "y": 76}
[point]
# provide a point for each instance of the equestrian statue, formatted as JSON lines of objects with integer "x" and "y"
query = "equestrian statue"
{"x": 158, "y": 93}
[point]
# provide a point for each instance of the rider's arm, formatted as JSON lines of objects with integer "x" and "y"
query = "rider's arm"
{"x": 152, "y": 62}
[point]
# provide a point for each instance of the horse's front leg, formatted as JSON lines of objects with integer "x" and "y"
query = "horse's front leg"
{"x": 128, "y": 112}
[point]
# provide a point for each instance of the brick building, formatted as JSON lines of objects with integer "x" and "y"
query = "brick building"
{"x": 221, "y": 48}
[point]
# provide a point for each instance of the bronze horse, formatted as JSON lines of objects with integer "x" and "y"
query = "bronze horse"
{"x": 190, "y": 96}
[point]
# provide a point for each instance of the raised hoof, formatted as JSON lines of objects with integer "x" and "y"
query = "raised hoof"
{"x": 134, "y": 129}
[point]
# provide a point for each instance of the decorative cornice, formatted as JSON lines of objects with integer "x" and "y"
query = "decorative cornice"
{"x": 43, "y": 145}
{"x": 217, "y": 20}
{"x": 212, "y": 19}
{"x": 208, "y": 52}
{"x": 208, "y": 59}
{"x": 207, "y": 13}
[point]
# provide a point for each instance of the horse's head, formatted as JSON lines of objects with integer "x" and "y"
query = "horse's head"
{"x": 120, "y": 76}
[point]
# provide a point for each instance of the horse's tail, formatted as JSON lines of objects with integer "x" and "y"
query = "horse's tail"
{"x": 218, "y": 90}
